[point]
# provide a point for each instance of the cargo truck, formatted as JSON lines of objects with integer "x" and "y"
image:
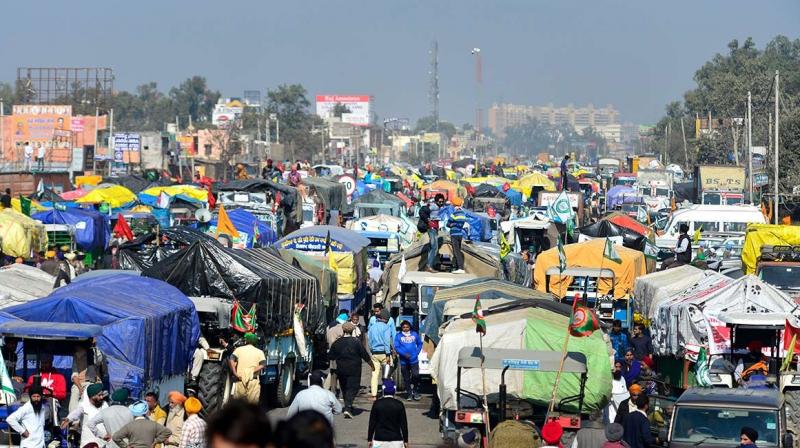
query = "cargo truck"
{"x": 719, "y": 185}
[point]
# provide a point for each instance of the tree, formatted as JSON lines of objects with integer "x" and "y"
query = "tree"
{"x": 428, "y": 124}
{"x": 289, "y": 102}
{"x": 193, "y": 98}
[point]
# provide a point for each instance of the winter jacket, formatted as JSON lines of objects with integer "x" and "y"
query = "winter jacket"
{"x": 408, "y": 347}
{"x": 456, "y": 222}
{"x": 637, "y": 430}
{"x": 620, "y": 343}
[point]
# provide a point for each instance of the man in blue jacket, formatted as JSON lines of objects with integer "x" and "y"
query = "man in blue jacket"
{"x": 619, "y": 340}
{"x": 380, "y": 345}
{"x": 637, "y": 426}
{"x": 457, "y": 223}
{"x": 407, "y": 345}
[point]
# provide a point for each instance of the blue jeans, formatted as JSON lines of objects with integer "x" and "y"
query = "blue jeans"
{"x": 433, "y": 235}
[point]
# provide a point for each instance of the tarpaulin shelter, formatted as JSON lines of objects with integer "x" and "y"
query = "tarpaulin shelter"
{"x": 590, "y": 255}
{"x": 448, "y": 188}
{"x": 91, "y": 229}
{"x": 487, "y": 191}
{"x": 759, "y": 235}
{"x": 21, "y": 235}
{"x": 206, "y": 268}
{"x": 150, "y": 329}
{"x": 701, "y": 317}
{"x": 685, "y": 191}
{"x": 513, "y": 196}
{"x": 530, "y": 325}
{"x": 116, "y": 196}
{"x": 136, "y": 183}
{"x": 74, "y": 194}
{"x": 515, "y": 268}
{"x": 317, "y": 267}
{"x": 618, "y": 195}
{"x": 479, "y": 227}
{"x": 651, "y": 289}
{"x": 379, "y": 197}
{"x": 290, "y": 200}
{"x": 528, "y": 182}
{"x": 143, "y": 252}
{"x": 150, "y": 195}
{"x": 486, "y": 288}
{"x": 332, "y": 193}
{"x": 404, "y": 227}
{"x": 626, "y": 221}
{"x": 605, "y": 228}
{"x": 21, "y": 283}
{"x": 247, "y": 223}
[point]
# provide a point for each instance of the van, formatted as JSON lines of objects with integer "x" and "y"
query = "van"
{"x": 729, "y": 219}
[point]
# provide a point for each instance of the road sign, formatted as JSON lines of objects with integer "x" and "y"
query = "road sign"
{"x": 349, "y": 184}
{"x": 521, "y": 364}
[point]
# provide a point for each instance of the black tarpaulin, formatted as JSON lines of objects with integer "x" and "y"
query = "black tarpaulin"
{"x": 333, "y": 194}
{"x": 604, "y": 228}
{"x": 251, "y": 276}
{"x": 488, "y": 191}
{"x": 291, "y": 202}
{"x": 684, "y": 191}
{"x": 378, "y": 197}
{"x": 141, "y": 253}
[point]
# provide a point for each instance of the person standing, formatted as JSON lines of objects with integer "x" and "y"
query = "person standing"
{"x": 28, "y": 156}
{"x": 614, "y": 433}
{"x": 91, "y": 404}
{"x": 141, "y": 432}
{"x": 5, "y": 199}
{"x": 431, "y": 227}
{"x": 380, "y": 345}
{"x": 592, "y": 433}
{"x": 378, "y": 311}
{"x": 456, "y": 223}
{"x": 388, "y": 423}
{"x": 111, "y": 419}
{"x": 246, "y": 363}
{"x": 315, "y": 398}
{"x": 629, "y": 404}
{"x": 193, "y": 434}
{"x": 239, "y": 424}
{"x": 619, "y": 392}
{"x": 154, "y": 411}
{"x": 40, "y": 155}
{"x": 641, "y": 343}
{"x": 564, "y": 170}
{"x": 408, "y": 344}
{"x": 748, "y": 437}
{"x": 175, "y": 417}
{"x": 348, "y": 354}
{"x": 631, "y": 368}
{"x": 30, "y": 419}
{"x": 333, "y": 334}
{"x": 619, "y": 340}
{"x": 51, "y": 380}
{"x": 551, "y": 434}
{"x": 636, "y": 426}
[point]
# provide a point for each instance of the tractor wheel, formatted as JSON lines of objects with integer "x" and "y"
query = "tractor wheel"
{"x": 792, "y": 410}
{"x": 211, "y": 385}
{"x": 286, "y": 384}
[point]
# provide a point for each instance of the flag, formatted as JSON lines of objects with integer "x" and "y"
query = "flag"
{"x": 570, "y": 228}
{"x": 583, "y": 321}
{"x": 560, "y": 210}
{"x": 562, "y": 256}
{"x": 122, "y": 229}
{"x": 790, "y": 330}
{"x": 40, "y": 189}
{"x": 641, "y": 215}
{"x": 701, "y": 369}
{"x": 24, "y": 205}
{"x": 328, "y": 242}
{"x": 650, "y": 250}
{"x": 789, "y": 356}
{"x": 224, "y": 224}
{"x": 6, "y": 387}
{"x": 611, "y": 253}
{"x": 163, "y": 200}
{"x": 477, "y": 317}
{"x": 696, "y": 237}
{"x": 401, "y": 272}
{"x": 243, "y": 322}
{"x": 505, "y": 248}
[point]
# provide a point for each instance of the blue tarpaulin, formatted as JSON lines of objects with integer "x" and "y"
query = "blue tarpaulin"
{"x": 513, "y": 196}
{"x": 150, "y": 328}
{"x": 313, "y": 239}
{"x": 92, "y": 229}
{"x": 246, "y": 222}
{"x": 479, "y": 228}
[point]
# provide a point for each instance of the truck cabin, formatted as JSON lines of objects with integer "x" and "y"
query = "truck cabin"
{"x": 382, "y": 245}
{"x": 624, "y": 179}
{"x": 469, "y": 402}
{"x": 214, "y": 314}
{"x": 759, "y": 332}
{"x": 585, "y": 286}
{"x": 245, "y": 199}
{"x": 364, "y": 210}
{"x": 779, "y": 266}
{"x": 417, "y": 289}
{"x": 530, "y": 233}
{"x": 715, "y": 197}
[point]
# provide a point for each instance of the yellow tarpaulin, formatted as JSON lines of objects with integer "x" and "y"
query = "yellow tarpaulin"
{"x": 87, "y": 180}
{"x": 21, "y": 235}
{"x": 35, "y": 206}
{"x": 114, "y": 195}
{"x": 759, "y": 235}
{"x": 590, "y": 255}
{"x": 192, "y": 191}
{"x": 535, "y": 179}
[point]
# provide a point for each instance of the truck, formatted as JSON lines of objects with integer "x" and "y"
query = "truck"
{"x": 606, "y": 167}
{"x": 719, "y": 185}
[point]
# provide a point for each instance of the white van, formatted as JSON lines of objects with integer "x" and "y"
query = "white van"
{"x": 711, "y": 218}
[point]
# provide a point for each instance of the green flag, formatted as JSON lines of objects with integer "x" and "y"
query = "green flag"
{"x": 560, "y": 210}
{"x": 611, "y": 253}
{"x": 583, "y": 321}
{"x": 701, "y": 369}
{"x": 25, "y": 205}
{"x": 6, "y": 386}
{"x": 477, "y": 317}
{"x": 562, "y": 256}
{"x": 641, "y": 215}
{"x": 570, "y": 228}
{"x": 505, "y": 248}
{"x": 241, "y": 321}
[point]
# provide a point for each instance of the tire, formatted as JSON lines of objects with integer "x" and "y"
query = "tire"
{"x": 211, "y": 386}
{"x": 792, "y": 410}
{"x": 285, "y": 384}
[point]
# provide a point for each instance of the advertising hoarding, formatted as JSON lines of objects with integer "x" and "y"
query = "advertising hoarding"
{"x": 225, "y": 113}
{"x": 124, "y": 143}
{"x": 359, "y": 106}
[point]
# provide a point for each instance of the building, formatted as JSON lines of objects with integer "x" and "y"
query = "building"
{"x": 503, "y": 116}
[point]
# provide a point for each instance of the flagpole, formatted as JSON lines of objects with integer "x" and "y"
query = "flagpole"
{"x": 560, "y": 369}
{"x": 485, "y": 400}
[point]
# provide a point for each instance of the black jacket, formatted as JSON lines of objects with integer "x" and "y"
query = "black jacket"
{"x": 637, "y": 430}
{"x": 387, "y": 421}
{"x": 348, "y": 352}
{"x": 623, "y": 411}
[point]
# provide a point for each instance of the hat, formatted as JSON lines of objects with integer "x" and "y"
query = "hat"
{"x": 251, "y": 338}
{"x": 348, "y": 327}
{"x": 64, "y": 248}
{"x": 342, "y": 318}
{"x": 457, "y": 201}
{"x": 635, "y": 389}
{"x": 139, "y": 408}
{"x": 94, "y": 389}
{"x": 50, "y": 254}
{"x": 751, "y": 433}
{"x": 552, "y": 432}
{"x": 36, "y": 388}
{"x": 69, "y": 256}
{"x": 193, "y": 406}
{"x": 389, "y": 387}
{"x": 176, "y": 396}
{"x": 469, "y": 439}
{"x": 614, "y": 432}
{"x": 120, "y": 395}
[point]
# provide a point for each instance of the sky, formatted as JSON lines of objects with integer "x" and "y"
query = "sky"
{"x": 637, "y": 55}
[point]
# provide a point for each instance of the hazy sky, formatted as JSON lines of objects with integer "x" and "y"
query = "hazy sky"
{"x": 637, "y": 55}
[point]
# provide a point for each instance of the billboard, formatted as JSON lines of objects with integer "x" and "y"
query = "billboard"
{"x": 358, "y": 105}
{"x": 47, "y": 126}
{"x": 124, "y": 144}
{"x": 225, "y": 113}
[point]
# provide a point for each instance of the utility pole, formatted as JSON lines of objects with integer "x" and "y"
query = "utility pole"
{"x": 433, "y": 94}
{"x": 750, "y": 145}
{"x": 96, "y": 137}
{"x": 685, "y": 149}
{"x": 777, "y": 143}
{"x": 2, "y": 130}
{"x": 110, "y": 138}
{"x": 478, "y": 84}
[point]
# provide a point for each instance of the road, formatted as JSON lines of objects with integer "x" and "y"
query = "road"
{"x": 351, "y": 433}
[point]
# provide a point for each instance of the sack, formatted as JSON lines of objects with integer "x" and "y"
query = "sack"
{"x": 514, "y": 434}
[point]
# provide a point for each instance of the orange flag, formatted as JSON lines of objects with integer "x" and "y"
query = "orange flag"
{"x": 224, "y": 224}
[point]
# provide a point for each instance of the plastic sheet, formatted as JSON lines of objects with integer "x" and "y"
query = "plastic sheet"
{"x": 92, "y": 229}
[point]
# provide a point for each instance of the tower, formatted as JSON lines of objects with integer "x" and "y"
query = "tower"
{"x": 433, "y": 89}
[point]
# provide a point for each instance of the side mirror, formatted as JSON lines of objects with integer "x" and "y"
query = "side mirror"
{"x": 788, "y": 440}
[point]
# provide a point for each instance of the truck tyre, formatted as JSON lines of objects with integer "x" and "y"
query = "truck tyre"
{"x": 285, "y": 384}
{"x": 211, "y": 385}
{"x": 792, "y": 410}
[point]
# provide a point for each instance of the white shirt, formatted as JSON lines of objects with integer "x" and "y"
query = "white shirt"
{"x": 42, "y": 152}
{"x": 85, "y": 411}
{"x": 317, "y": 399}
{"x": 28, "y": 151}
{"x": 25, "y": 419}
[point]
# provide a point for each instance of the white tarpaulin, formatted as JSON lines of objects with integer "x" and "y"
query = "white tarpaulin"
{"x": 20, "y": 283}
{"x": 404, "y": 227}
{"x": 651, "y": 289}
{"x": 699, "y": 317}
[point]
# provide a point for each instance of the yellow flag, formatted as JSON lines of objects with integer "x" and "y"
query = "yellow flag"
{"x": 224, "y": 224}
{"x": 696, "y": 237}
{"x": 505, "y": 248}
{"x": 332, "y": 261}
{"x": 787, "y": 361}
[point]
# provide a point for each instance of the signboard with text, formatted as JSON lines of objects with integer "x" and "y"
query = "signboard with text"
{"x": 357, "y": 105}
{"x": 125, "y": 142}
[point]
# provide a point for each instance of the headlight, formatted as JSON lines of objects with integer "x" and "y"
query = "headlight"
{"x": 795, "y": 379}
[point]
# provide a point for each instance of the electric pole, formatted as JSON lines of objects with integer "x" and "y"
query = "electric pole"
{"x": 478, "y": 84}
{"x": 433, "y": 92}
{"x": 777, "y": 143}
{"x": 750, "y": 145}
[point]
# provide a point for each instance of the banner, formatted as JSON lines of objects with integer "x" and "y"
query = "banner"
{"x": 125, "y": 142}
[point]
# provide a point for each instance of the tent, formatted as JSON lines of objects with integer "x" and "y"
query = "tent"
{"x": 150, "y": 195}
{"x": 92, "y": 230}
{"x": 21, "y": 235}
{"x": 290, "y": 199}
{"x": 379, "y": 197}
{"x": 206, "y": 268}
{"x": 759, "y": 235}
{"x": 626, "y": 221}
{"x": 74, "y": 194}
{"x": 318, "y": 268}
{"x": 21, "y": 283}
{"x": 526, "y": 183}
{"x": 618, "y": 195}
{"x": 142, "y": 253}
{"x": 133, "y": 182}
{"x": 150, "y": 329}
{"x": 605, "y": 228}
{"x": 479, "y": 227}
{"x": 451, "y": 188}
{"x": 487, "y": 191}
{"x": 116, "y": 196}
{"x": 685, "y": 191}
{"x": 590, "y": 255}
{"x": 652, "y": 289}
{"x": 404, "y": 227}
{"x": 513, "y": 196}
{"x": 246, "y": 223}
{"x": 532, "y": 325}
{"x": 332, "y": 193}
{"x": 700, "y": 317}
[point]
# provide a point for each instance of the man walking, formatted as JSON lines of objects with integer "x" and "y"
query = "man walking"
{"x": 380, "y": 345}
{"x": 333, "y": 334}
{"x": 315, "y": 398}
{"x": 388, "y": 424}
{"x": 29, "y": 420}
{"x": 592, "y": 432}
{"x": 456, "y": 223}
{"x": 141, "y": 432}
{"x": 619, "y": 340}
{"x": 641, "y": 343}
{"x": 564, "y": 169}
{"x": 111, "y": 419}
{"x": 637, "y": 426}
{"x": 431, "y": 227}
{"x": 348, "y": 354}
{"x": 89, "y": 406}
{"x": 246, "y": 364}
{"x": 408, "y": 344}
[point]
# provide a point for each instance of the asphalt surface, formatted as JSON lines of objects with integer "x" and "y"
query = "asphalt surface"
{"x": 423, "y": 430}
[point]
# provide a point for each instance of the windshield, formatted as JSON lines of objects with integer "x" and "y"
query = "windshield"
{"x": 783, "y": 277}
{"x": 712, "y": 198}
{"x": 426, "y": 294}
{"x": 662, "y": 192}
{"x": 709, "y": 426}
{"x": 733, "y": 200}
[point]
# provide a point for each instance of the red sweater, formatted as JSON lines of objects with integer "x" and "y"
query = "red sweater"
{"x": 54, "y": 382}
